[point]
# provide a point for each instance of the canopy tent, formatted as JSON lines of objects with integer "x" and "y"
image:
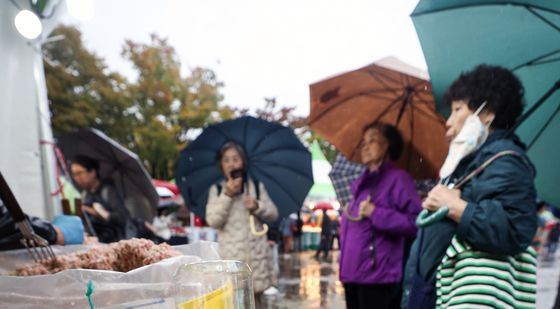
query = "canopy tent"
{"x": 322, "y": 189}
{"x": 27, "y": 159}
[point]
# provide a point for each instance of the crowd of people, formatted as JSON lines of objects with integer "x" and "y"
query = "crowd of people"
{"x": 486, "y": 192}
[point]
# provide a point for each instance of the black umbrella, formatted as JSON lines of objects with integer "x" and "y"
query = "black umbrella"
{"x": 118, "y": 164}
{"x": 276, "y": 158}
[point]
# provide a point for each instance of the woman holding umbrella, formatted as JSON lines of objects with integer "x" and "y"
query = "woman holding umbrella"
{"x": 489, "y": 215}
{"x": 231, "y": 205}
{"x": 378, "y": 223}
{"x": 100, "y": 200}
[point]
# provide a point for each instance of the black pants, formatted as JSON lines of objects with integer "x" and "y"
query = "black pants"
{"x": 379, "y": 296}
{"x": 324, "y": 245}
{"x": 337, "y": 237}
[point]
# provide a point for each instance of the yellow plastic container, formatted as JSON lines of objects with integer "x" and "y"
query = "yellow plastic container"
{"x": 217, "y": 285}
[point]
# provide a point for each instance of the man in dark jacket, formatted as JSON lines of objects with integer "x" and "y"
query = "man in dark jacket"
{"x": 494, "y": 212}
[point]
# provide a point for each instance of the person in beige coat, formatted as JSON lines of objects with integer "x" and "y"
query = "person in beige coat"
{"x": 238, "y": 216}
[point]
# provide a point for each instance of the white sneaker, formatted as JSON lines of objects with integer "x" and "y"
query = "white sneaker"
{"x": 270, "y": 291}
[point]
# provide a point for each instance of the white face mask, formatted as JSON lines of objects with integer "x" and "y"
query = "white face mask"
{"x": 470, "y": 138}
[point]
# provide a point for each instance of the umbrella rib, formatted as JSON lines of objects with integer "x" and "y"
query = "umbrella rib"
{"x": 283, "y": 167}
{"x": 541, "y": 131}
{"x": 434, "y": 117}
{"x": 262, "y": 138}
{"x": 219, "y": 130}
{"x": 255, "y": 155}
{"x": 375, "y": 76}
{"x": 94, "y": 135}
{"x": 535, "y": 60}
{"x": 278, "y": 184}
{"x": 392, "y": 105}
{"x": 245, "y": 125}
{"x": 372, "y": 95}
{"x": 463, "y": 6}
{"x": 332, "y": 106}
{"x": 544, "y": 19}
{"x": 547, "y": 61}
{"x": 422, "y": 100}
{"x": 386, "y": 76}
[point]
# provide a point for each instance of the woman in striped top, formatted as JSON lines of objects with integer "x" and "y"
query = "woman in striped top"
{"x": 494, "y": 213}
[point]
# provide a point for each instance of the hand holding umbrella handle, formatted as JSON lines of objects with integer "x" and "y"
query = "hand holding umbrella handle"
{"x": 254, "y": 230}
{"x": 357, "y": 218}
{"x": 426, "y": 218}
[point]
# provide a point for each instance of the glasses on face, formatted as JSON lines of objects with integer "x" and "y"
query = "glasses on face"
{"x": 78, "y": 174}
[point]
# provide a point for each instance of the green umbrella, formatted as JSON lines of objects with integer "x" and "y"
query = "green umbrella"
{"x": 457, "y": 35}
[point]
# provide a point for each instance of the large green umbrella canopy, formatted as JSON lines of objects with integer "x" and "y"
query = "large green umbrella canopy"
{"x": 457, "y": 35}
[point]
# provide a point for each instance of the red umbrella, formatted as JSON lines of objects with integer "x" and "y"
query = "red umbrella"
{"x": 165, "y": 184}
{"x": 323, "y": 206}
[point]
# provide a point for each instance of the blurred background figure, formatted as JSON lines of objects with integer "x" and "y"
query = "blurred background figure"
{"x": 548, "y": 232}
{"x": 326, "y": 233}
{"x": 100, "y": 200}
{"x": 286, "y": 228}
{"x": 335, "y": 232}
{"x": 297, "y": 232}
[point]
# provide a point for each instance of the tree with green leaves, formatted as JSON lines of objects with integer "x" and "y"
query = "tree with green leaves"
{"x": 82, "y": 92}
{"x": 151, "y": 116}
{"x": 169, "y": 105}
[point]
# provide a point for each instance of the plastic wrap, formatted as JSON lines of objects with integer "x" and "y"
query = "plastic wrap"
{"x": 150, "y": 286}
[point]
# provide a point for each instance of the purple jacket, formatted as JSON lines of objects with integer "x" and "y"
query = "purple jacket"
{"x": 388, "y": 228}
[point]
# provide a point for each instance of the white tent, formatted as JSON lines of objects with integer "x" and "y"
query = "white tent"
{"x": 26, "y": 157}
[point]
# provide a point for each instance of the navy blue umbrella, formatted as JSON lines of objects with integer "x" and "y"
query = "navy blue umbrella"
{"x": 276, "y": 158}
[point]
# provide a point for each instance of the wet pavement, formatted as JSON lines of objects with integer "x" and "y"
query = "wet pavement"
{"x": 305, "y": 282}
{"x": 548, "y": 276}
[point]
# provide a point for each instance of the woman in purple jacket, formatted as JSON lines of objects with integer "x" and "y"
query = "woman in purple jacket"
{"x": 378, "y": 223}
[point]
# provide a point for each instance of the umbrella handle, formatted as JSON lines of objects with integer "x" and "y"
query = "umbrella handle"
{"x": 426, "y": 218}
{"x": 349, "y": 216}
{"x": 352, "y": 218}
{"x": 254, "y": 230}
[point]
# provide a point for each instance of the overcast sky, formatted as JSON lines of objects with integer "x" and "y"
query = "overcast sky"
{"x": 260, "y": 48}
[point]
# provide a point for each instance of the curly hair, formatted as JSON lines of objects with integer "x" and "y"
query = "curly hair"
{"x": 392, "y": 135}
{"x": 497, "y": 86}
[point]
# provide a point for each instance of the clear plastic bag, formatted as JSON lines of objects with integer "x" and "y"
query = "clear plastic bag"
{"x": 150, "y": 286}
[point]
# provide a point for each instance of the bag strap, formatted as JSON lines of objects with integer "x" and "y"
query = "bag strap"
{"x": 486, "y": 163}
{"x": 426, "y": 218}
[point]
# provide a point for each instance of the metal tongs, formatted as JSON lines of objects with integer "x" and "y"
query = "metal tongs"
{"x": 37, "y": 246}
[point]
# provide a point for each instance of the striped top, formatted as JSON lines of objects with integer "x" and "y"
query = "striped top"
{"x": 473, "y": 279}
